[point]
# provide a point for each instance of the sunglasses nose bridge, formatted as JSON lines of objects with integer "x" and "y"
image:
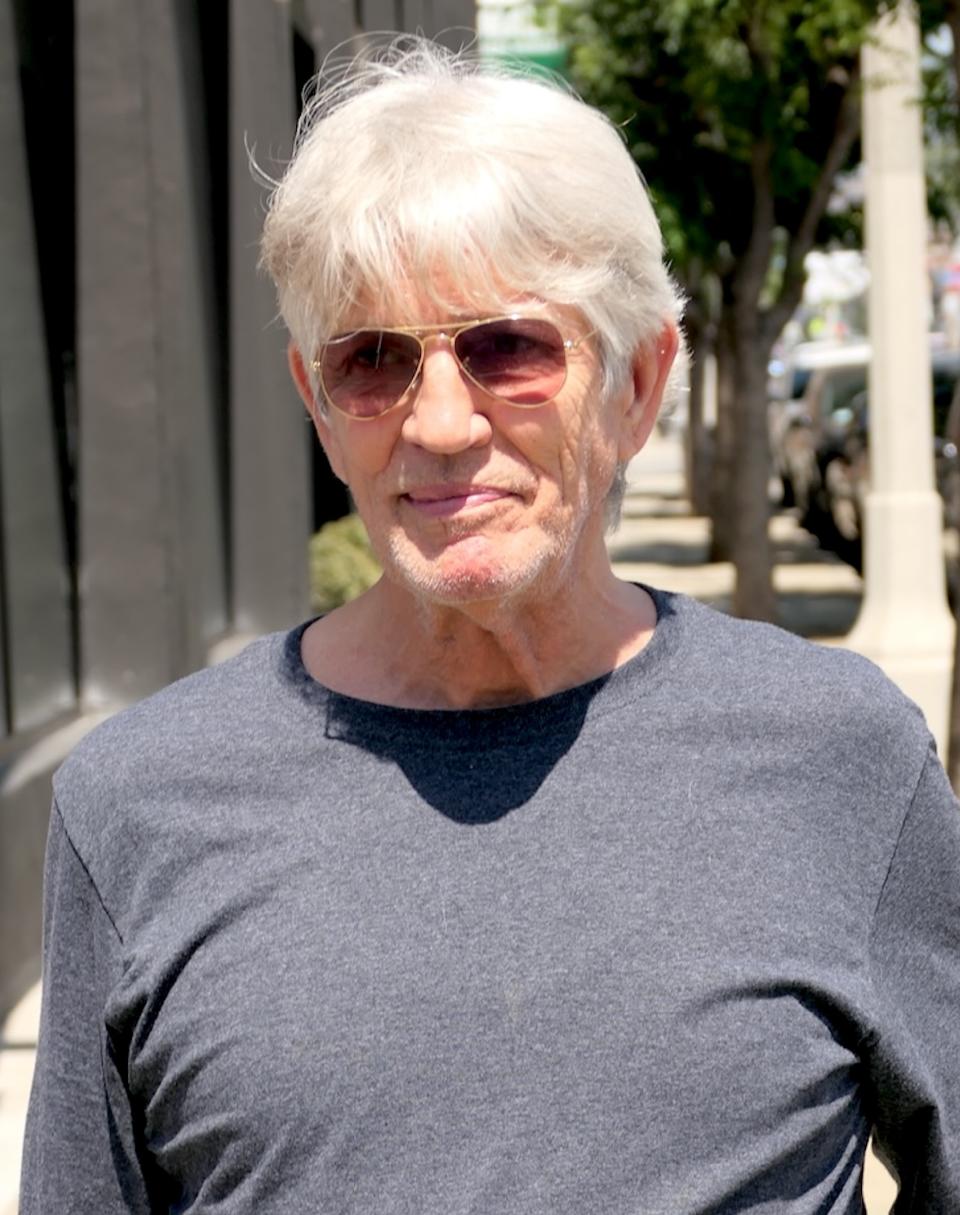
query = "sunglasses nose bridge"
{"x": 447, "y": 340}
{"x": 444, "y": 414}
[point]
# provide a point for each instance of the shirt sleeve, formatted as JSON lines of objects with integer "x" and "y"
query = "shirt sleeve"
{"x": 915, "y": 959}
{"x": 79, "y": 1147}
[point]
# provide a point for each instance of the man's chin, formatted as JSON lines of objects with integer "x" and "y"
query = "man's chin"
{"x": 469, "y": 571}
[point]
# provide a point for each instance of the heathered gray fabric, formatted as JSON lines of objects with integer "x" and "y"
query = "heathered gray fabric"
{"x": 665, "y": 943}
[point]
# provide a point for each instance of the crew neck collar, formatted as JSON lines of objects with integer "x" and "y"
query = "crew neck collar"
{"x": 358, "y": 720}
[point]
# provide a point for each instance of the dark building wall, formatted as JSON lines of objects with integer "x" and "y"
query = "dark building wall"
{"x": 157, "y": 487}
{"x": 270, "y": 456}
{"x": 35, "y": 639}
{"x": 153, "y": 556}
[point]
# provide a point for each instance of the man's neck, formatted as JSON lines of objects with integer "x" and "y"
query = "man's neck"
{"x": 391, "y": 648}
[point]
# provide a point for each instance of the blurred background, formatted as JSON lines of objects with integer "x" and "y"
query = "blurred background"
{"x": 161, "y": 498}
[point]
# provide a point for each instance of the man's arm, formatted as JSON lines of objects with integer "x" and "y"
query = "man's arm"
{"x": 79, "y": 1152}
{"x": 915, "y": 959}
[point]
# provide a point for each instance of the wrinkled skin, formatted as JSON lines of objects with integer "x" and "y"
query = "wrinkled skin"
{"x": 488, "y": 519}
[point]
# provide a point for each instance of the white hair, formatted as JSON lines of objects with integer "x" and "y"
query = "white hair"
{"x": 421, "y": 172}
{"x": 418, "y": 168}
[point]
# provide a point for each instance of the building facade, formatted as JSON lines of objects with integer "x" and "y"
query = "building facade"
{"x": 157, "y": 477}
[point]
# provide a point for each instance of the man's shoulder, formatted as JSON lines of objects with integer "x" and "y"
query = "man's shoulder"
{"x": 191, "y": 726}
{"x": 742, "y": 663}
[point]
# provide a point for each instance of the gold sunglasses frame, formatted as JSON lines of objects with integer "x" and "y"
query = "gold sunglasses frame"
{"x": 450, "y": 333}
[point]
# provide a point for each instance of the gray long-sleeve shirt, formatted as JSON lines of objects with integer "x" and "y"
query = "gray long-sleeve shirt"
{"x": 670, "y": 942}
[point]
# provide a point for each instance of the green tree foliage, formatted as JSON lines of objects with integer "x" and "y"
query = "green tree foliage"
{"x": 941, "y": 78}
{"x": 740, "y": 113}
{"x": 724, "y": 101}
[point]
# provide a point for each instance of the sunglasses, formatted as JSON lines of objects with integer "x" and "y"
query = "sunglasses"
{"x": 518, "y": 359}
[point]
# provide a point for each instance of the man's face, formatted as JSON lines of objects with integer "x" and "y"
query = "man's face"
{"x": 468, "y": 498}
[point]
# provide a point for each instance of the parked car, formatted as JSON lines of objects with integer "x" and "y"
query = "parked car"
{"x": 815, "y": 377}
{"x": 839, "y": 474}
{"x": 789, "y": 375}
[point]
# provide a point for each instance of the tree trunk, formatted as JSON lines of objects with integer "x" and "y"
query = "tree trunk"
{"x": 953, "y": 747}
{"x": 722, "y": 504}
{"x": 696, "y": 454}
{"x": 952, "y": 16}
{"x": 754, "y": 595}
{"x": 953, "y": 743}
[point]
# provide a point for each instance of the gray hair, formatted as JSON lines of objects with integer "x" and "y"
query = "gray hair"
{"x": 418, "y": 171}
{"x": 470, "y": 181}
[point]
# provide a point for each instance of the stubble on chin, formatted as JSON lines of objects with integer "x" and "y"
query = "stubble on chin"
{"x": 469, "y": 568}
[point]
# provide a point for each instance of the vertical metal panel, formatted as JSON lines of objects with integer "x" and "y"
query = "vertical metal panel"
{"x": 332, "y": 22}
{"x": 417, "y": 16}
{"x": 187, "y": 358}
{"x": 379, "y": 15}
{"x": 454, "y": 22}
{"x": 39, "y": 670}
{"x": 270, "y": 439}
{"x": 126, "y": 583}
{"x": 151, "y": 584}
{"x": 4, "y": 690}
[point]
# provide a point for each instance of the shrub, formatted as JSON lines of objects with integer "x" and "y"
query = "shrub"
{"x": 342, "y": 564}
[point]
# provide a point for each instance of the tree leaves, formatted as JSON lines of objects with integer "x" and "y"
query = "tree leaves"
{"x": 697, "y": 84}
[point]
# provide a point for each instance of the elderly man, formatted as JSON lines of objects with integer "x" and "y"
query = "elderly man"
{"x": 508, "y": 887}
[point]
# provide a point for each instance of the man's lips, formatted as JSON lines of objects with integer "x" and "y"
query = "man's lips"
{"x": 449, "y": 499}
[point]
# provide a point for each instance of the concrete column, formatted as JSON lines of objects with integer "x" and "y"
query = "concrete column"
{"x": 904, "y": 624}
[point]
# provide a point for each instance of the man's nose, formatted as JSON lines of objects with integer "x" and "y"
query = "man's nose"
{"x": 444, "y": 417}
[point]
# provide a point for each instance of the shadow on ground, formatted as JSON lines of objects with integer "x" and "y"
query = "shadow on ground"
{"x": 664, "y": 506}
{"x": 677, "y": 538}
{"x": 660, "y": 552}
{"x": 817, "y": 614}
{"x": 813, "y": 614}
{"x": 818, "y": 595}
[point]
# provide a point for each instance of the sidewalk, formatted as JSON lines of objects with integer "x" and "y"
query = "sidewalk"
{"x": 660, "y": 543}
{"x": 18, "y": 1037}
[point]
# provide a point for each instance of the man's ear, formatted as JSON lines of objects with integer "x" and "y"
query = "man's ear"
{"x": 649, "y": 371}
{"x": 328, "y": 439}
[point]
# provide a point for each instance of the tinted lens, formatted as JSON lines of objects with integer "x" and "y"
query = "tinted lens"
{"x": 522, "y": 360}
{"x": 367, "y": 372}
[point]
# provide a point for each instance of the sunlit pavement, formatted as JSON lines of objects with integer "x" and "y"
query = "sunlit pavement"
{"x": 660, "y": 543}
{"x": 18, "y": 1037}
